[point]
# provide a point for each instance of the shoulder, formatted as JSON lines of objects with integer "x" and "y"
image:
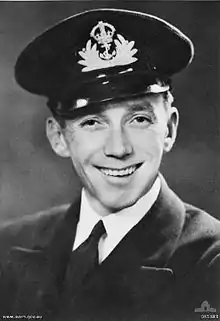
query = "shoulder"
{"x": 199, "y": 241}
{"x": 29, "y": 229}
{"x": 199, "y": 224}
{"x": 198, "y": 232}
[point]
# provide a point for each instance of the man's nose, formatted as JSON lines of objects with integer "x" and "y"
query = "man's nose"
{"x": 117, "y": 145}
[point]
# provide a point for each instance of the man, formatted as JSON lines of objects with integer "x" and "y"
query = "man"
{"x": 128, "y": 248}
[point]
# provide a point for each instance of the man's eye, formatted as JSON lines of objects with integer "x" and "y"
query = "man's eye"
{"x": 141, "y": 121}
{"x": 91, "y": 123}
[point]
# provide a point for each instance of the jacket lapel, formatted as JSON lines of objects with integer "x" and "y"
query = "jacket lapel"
{"x": 138, "y": 268}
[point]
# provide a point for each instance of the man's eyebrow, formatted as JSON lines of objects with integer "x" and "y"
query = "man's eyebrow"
{"x": 141, "y": 107}
{"x": 147, "y": 107}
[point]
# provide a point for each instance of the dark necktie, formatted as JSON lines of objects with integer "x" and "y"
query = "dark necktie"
{"x": 84, "y": 259}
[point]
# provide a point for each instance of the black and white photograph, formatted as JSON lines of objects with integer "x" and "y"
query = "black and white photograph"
{"x": 110, "y": 160}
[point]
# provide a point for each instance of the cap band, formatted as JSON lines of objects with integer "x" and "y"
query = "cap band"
{"x": 106, "y": 90}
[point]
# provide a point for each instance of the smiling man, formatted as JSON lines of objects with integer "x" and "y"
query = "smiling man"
{"x": 117, "y": 150}
{"x": 128, "y": 248}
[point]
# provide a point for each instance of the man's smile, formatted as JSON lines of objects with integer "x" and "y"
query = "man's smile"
{"x": 119, "y": 172}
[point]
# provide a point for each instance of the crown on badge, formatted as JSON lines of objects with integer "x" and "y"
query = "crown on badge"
{"x": 106, "y": 52}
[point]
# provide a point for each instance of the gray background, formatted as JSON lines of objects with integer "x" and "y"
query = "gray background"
{"x": 33, "y": 178}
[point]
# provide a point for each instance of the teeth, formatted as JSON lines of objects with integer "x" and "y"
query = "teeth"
{"x": 117, "y": 172}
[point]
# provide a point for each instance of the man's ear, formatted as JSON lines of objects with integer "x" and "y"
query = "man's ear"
{"x": 171, "y": 131}
{"x": 56, "y": 138}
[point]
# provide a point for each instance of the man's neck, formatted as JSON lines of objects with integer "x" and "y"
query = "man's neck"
{"x": 96, "y": 205}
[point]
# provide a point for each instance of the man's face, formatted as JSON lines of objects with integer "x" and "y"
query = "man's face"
{"x": 117, "y": 151}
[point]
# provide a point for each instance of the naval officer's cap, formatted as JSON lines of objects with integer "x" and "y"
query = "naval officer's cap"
{"x": 102, "y": 55}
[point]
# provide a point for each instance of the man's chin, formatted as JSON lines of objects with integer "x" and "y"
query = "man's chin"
{"x": 113, "y": 205}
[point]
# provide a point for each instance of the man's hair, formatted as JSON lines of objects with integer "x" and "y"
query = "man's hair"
{"x": 168, "y": 99}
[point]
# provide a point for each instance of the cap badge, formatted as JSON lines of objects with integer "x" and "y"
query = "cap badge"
{"x": 108, "y": 50}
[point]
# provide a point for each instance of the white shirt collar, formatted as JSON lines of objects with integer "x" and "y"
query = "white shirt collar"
{"x": 117, "y": 224}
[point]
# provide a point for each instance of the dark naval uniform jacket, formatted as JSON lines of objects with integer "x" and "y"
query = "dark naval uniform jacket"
{"x": 166, "y": 268}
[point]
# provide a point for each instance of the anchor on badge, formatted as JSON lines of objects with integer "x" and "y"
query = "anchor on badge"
{"x": 103, "y": 33}
{"x": 106, "y": 51}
